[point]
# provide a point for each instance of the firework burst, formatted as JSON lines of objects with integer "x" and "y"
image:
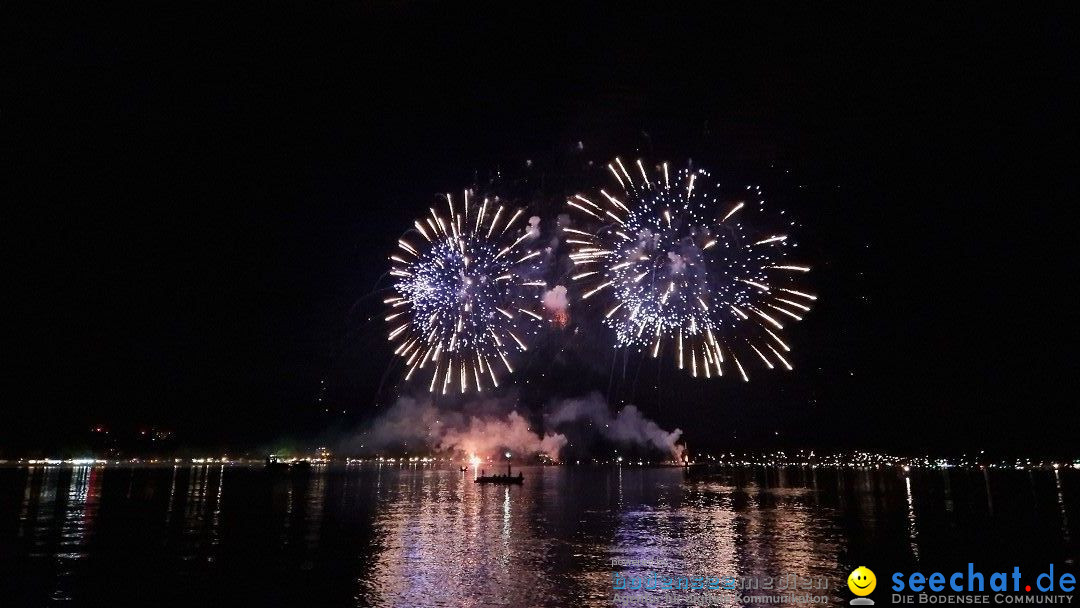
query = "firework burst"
{"x": 466, "y": 286}
{"x": 683, "y": 273}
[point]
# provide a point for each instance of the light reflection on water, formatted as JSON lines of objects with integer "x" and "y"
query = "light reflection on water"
{"x": 80, "y": 508}
{"x": 913, "y": 521}
{"x": 415, "y": 535}
{"x": 1061, "y": 507}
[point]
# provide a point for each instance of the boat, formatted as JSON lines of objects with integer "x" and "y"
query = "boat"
{"x": 464, "y": 468}
{"x": 276, "y": 466}
{"x": 280, "y": 466}
{"x": 507, "y": 479}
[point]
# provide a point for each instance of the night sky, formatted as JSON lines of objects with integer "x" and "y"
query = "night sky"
{"x": 201, "y": 200}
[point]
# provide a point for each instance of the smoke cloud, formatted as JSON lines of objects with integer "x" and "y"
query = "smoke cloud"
{"x": 534, "y": 227}
{"x": 555, "y": 299}
{"x": 627, "y": 426}
{"x": 486, "y": 427}
{"x": 557, "y": 304}
{"x": 678, "y": 264}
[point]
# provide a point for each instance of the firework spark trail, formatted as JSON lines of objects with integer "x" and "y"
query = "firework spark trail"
{"x": 680, "y": 269}
{"x": 465, "y": 294}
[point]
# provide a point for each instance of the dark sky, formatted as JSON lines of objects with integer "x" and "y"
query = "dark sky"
{"x": 202, "y": 198}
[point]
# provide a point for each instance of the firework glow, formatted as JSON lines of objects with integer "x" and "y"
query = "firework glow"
{"x": 467, "y": 293}
{"x": 685, "y": 273}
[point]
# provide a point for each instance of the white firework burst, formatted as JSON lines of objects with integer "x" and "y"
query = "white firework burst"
{"x": 682, "y": 271}
{"x": 467, "y": 294}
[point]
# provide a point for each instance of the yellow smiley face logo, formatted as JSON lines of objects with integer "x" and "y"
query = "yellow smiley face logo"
{"x": 861, "y": 581}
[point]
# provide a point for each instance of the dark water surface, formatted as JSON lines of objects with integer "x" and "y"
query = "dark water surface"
{"x": 423, "y": 535}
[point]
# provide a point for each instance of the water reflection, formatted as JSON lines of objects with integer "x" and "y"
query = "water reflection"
{"x": 80, "y": 509}
{"x": 417, "y": 534}
{"x": 215, "y": 519}
{"x": 172, "y": 496}
{"x": 24, "y": 509}
{"x": 313, "y": 511}
{"x": 1061, "y": 506}
{"x": 913, "y": 523}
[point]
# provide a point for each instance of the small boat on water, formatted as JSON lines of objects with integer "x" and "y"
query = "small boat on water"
{"x": 464, "y": 468}
{"x": 280, "y": 466}
{"x": 501, "y": 479}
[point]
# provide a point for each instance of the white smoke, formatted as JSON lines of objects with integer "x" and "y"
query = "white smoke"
{"x": 488, "y": 436}
{"x": 555, "y": 300}
{"x": 418, "y": 424}
{"x": 678, "y": 264}
{"x": 533, "y": 230}
{"x": 627, "y": 426}
{"x": 486, "y": 427}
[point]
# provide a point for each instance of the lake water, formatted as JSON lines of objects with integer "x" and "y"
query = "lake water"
{"x": 425, "y": 535}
